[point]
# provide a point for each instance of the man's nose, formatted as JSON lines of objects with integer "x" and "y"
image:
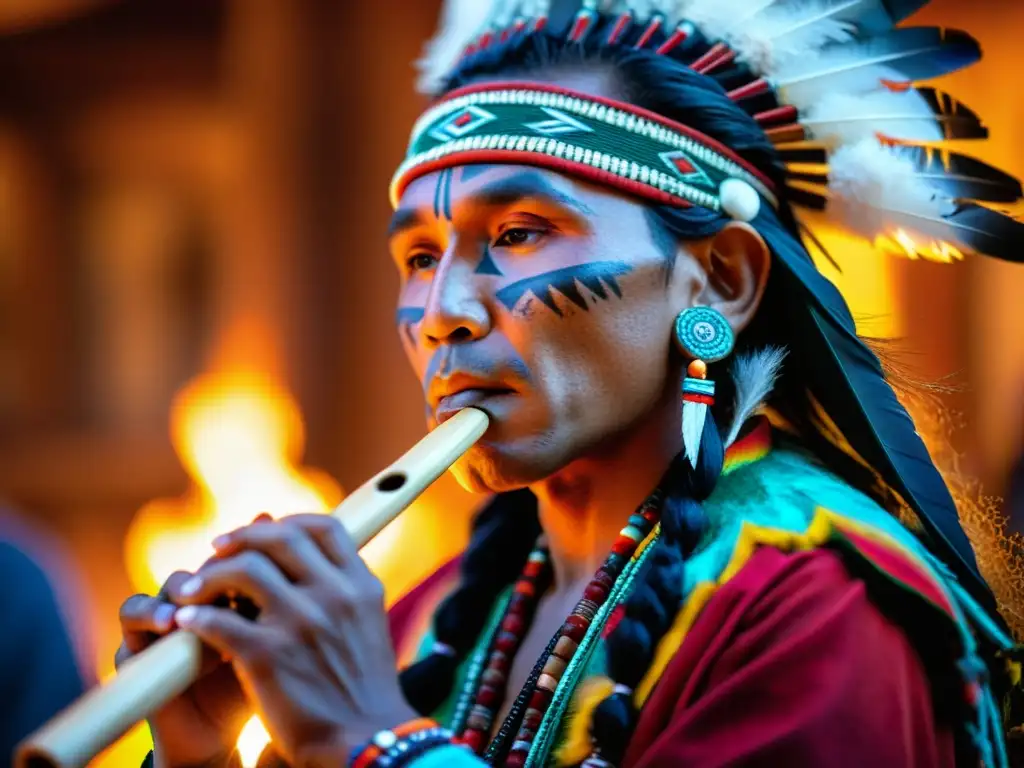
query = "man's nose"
{"x": 456, "y": 309}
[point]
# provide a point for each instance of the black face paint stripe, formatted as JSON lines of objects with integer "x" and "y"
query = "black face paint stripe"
{"x": 487, "y": 265}
{"x": 594, "y": 276}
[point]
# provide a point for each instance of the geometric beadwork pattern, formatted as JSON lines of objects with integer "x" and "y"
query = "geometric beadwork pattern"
{"x": 598, "y": 139}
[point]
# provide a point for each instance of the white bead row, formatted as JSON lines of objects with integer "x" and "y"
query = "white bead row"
{"x": 595, "y": 111}
{"x": 565, "y": 151}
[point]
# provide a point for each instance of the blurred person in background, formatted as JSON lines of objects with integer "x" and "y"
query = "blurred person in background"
{"x": 40, "y": 672}
{"x": 695, "y": 555}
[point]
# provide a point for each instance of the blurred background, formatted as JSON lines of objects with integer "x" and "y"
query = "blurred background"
{"x": 196, "y": 305}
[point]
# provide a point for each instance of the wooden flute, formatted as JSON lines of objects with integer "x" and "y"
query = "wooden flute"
{"x": 154, "y": 677}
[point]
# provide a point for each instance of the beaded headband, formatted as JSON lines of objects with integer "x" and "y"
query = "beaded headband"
{"x": 598, "y": 139}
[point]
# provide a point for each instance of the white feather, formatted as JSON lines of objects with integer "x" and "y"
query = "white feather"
{"x": 461, "y": 22}
{"x": 720, "y": 19}
{"x": 874, "y": 189}
{"x": 694, "y": 416}
{"x": 841, "y": 118}
{"x": 784, "y": 33}
{"x": 805, "y": 80}
{"x": 754, "y": 374}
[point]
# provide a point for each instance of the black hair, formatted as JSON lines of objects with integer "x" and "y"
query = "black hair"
{"x": 666, "y": 87}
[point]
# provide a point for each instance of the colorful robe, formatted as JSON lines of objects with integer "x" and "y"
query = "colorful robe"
{"x": 816, "y": 630}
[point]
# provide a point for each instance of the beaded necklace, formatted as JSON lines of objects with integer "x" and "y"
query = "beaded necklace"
{"x": 487, "y": 689}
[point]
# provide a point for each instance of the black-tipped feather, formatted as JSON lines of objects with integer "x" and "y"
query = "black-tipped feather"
{"x": 988, "y": 232}
{"x": 902, "y": 9}
{"x": 853, "y": 390}
{"x": 961, "y": 177}
{"x": 847, "y": 379}
{"x": 915, "y": 53}
{"x": 868, "y": 16}
{"x": 951, "y": 175}
{"x": 957, "y": 120}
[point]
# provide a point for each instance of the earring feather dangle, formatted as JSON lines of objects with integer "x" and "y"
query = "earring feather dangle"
{"x": 703, "y": 335}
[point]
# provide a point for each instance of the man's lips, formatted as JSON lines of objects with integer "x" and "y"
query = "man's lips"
{"x": 451, "y": 404}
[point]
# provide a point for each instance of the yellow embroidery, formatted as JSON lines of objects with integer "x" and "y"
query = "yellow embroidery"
{"x": 751, "y": 536}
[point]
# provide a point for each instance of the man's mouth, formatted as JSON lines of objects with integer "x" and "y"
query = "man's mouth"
{"x": 481, "y": 397}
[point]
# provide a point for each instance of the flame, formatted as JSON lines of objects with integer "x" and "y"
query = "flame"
{"x": 240, "y": 436}
{"x": 902, "y": 243}
{"x": 251, "y": 742}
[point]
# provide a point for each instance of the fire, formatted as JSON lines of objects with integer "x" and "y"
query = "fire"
{"x": 902, "y": 243}
{"x": 240, "y": 436}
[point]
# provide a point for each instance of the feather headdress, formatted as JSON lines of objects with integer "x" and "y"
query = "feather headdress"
{"x": 836, "y": 76}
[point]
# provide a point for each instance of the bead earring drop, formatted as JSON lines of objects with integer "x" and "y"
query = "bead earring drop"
{"x": 704, "y": 336}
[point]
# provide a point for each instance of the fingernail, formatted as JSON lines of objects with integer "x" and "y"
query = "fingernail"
{"x": 164, "y": 615}
{"x": 191, "y": 586}
{"x": 186, "y": 615}
{"x": 221, "y": 541}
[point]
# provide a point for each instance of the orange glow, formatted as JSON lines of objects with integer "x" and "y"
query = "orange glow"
{"x": 240, "y": 436}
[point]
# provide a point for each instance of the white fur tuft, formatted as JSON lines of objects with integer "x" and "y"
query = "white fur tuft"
{"x": 461, "y": 22}
{"x": 722, "y": 19}
{"x": 873, "y": 187}
{"x": 841, "y": 118}
{"x": 786, "y": 33}
{"x": 754, "y": 374}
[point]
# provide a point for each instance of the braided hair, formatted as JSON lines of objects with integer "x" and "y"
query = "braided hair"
{"x": 505, "y": 533}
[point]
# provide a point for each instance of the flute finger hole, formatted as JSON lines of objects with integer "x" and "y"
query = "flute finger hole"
{"x": 391, "y": 482}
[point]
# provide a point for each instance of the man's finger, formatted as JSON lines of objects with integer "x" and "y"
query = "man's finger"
{"x": 222, "y": 629}
{"x": 173, "y": 583}
{"x": 142, "y": 613}
{"x": 249, "y": 573}
{"x": 288, "y": 545}
{"x": 331, "y": 536}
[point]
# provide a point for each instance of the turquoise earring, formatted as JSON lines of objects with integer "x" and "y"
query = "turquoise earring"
{"x": 703, "y": 336}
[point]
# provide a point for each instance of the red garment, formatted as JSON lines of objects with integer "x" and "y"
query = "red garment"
{"x": 788, "y": 664}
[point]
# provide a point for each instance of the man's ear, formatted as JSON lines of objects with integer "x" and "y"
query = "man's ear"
{"x": 735, "y": 264}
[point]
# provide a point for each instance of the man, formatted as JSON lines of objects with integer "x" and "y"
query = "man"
{"x": 596, "y": 240}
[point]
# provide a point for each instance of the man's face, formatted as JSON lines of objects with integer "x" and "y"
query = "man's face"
{"x": 539, "y": 299}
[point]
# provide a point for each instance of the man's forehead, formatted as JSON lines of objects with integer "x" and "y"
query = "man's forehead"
{"x": 491, "y": 183}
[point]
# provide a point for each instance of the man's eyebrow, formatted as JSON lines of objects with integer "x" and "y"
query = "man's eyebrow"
{"x": 404, "y": 219}
{"x": 525, "y": 185}
{"x": 521, "y": 186}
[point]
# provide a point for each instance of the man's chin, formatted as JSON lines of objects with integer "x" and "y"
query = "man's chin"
{"x": 488, "y": 469}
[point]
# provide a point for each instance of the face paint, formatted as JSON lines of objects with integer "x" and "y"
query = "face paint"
{"x": 443, "y": 195}
{"x": 406, "y": 318}
{"x": 553, "y": 390}
{"x": 594, "y": 276}
{"x": 487, "y": 265}
{"x": 472, "y": 171}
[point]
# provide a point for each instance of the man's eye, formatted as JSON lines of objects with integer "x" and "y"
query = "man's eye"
{"x": 421, "y": 260}
{"x": 518, "y": 236}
